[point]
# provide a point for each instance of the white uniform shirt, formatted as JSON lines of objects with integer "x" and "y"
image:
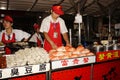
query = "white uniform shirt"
{"x": 33, "y": 38}
{"x": 45, "y": 25}
{"x": 19, "y": 34}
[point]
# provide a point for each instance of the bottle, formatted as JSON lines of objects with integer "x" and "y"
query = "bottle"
{"x": 109, "y": 37}
{"x": 85, "y": 44}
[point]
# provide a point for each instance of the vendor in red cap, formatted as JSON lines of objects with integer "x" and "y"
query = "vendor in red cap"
{"x": 10, "y": 35}
{"x": 36, "y": 37}
{"x": 52, "y": 27}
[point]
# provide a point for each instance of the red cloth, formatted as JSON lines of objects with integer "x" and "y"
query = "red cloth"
{"x": 57, "y": 9}
{"x": 36, "y": 26}
{"x": 8, "y": 18}
{"x": 38, "y": 42}
{"x": 57, "y": 41}
{"x": 7, "y": 50}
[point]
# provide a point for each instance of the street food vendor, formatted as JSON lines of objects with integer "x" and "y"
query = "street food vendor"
{"x": 52, "y": 27}
{"x": 36, "y": 37}
{"x": 10, "y": 35}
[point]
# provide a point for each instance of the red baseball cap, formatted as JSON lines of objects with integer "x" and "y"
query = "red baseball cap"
{"x": 36, "y": 26}
{"x": 8, "y": 18}
{"x": 57, "y": 9}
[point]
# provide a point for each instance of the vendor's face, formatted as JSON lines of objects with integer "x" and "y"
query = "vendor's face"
{"x": 38, "y": 30}
{"x": 55, "y": 16}
{"x": 7, "y": 24}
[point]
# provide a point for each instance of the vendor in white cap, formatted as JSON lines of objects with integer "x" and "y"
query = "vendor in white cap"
{"x": 52, "y": 27}
{"x": 10, "y": 35}
{"x": 36, "y": 37}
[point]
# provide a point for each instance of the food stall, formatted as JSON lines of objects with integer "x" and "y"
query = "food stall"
{"x": 88, "y": 62}
{"x": 103, "y": 66}
{"x": 25, "y": 60}
{"x": 64, "y": 63}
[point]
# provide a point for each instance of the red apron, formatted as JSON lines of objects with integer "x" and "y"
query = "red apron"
{"x": 53, "y": 31}
{"x": 38, "y": 42}
{"x": 7, "y": 50}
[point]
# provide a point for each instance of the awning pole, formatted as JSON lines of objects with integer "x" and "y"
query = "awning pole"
{"x": 79, "y": 43}
{"x": 109, "y": 21}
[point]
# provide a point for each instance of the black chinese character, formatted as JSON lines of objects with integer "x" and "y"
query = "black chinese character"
{"x": 14, "y": 71}
{"x": 111, "y": 75}
{"x": 0, "y": 73}
{"x": 28, "y": 69}
{"x": 78, "y": 78}
{"x": 42, "y": 67}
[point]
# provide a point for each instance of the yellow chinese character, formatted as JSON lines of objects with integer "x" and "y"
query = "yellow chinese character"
{"x": 101, "y": 56}
{"x": 109, "y": 55}
{"x": 115, "y": 54}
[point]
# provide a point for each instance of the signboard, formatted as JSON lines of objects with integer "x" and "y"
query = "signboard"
{"x": 108, "y": 55}
{"x": 72, "y": 62}
{"x": 25, "y": 70}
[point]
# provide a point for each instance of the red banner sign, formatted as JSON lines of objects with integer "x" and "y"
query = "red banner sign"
{"x": 107, "y": 55}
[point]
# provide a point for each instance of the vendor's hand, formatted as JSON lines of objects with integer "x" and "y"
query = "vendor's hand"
{"x": 69, "y": 45}
{"x": 54, "y": 46}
